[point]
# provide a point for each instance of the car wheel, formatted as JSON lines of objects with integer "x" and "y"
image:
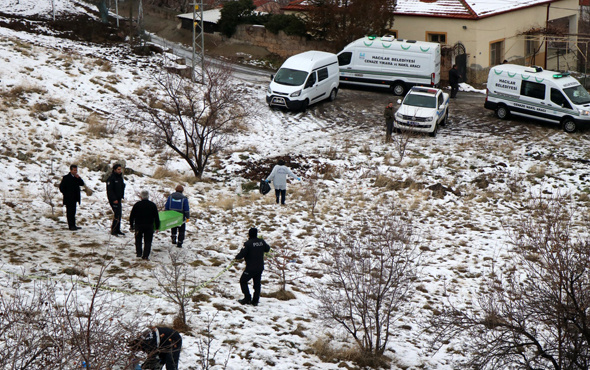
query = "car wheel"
{"x": 502, "y": 112}
{"x": 569, "y": 125}
{"x": 399, "y": 88}
{"x": 333, "y": 94}
{"x": 433, "y": 133}
{"x": 445, "y": 121}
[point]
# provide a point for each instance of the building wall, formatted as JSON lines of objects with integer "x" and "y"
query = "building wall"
{"x": 477, "y": 35}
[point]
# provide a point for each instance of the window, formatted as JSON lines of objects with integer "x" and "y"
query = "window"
{"x": 322, "y": 74}
{"x": 531, "y": 46}
{"x": 440, "y": 100}
{"x": 310, "y": 80}
{"x": 532, "y": 90}
{"x": 439, "y": 37}
{"x": 558, "y": 98}
{"x": 496, "y": 52}
{"x": 344, "y": 58}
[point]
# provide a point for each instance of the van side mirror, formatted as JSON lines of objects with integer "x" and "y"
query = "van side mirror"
{"x": 399, "y": 101}
{"x": 272, "y": 77}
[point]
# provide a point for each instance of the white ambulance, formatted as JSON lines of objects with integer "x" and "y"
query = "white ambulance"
{"x": 389, "y": 62}
{"x": 304, "y": 79}
{"x": 536, "y": 93}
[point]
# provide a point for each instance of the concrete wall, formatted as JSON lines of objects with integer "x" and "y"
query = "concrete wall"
{"x": 280, "y": 44}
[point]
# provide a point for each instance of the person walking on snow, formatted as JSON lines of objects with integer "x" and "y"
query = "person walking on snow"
{"x": 70, "y": 188}
{"x": 253, "y": 253}
{"x": 115, "y": 194}
{"x": 179, "y": 203}
{"x": 279, "y": 179}
{"x": 143, "y": 219}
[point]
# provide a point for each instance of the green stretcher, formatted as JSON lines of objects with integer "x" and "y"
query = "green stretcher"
{"x": 169, "y": 219}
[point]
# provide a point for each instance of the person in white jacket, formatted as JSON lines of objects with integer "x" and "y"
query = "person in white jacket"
{"x": 279, "y": 180}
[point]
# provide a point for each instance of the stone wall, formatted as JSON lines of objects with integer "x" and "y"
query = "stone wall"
{"x": 280, "y": 44}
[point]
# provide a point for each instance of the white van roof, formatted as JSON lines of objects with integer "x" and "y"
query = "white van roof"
{"x": 387, "y": 42}
{"x": 309, "y": 60}
{"x": 539, "y": 74}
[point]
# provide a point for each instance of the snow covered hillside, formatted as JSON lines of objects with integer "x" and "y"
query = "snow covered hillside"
{"x": 60, "y": 103}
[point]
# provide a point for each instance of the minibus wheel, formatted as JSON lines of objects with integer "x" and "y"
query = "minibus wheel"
{"x": 399, "y": 88}
{"x": 304, "y": 105}
{"x": 502, "y": 112}
{"x": 569, "y": 125}
{"x": 333, "y": 94}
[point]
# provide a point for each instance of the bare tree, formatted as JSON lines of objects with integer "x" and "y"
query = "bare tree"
{"x": 370, "y": 273}
{"x": 536, "y": 314}
{"x": 42, "y": 329}
{"x": 283, "y": 265}
{"x": 174, "y": 282}
{"x": 193, "y": 120}
{"x": 48, "y": 191}
{"x": 343, "y": 21}
{"x": 207, "y": 356}
{"x": 312, "y": 190}
{"x": 401, "y": 142}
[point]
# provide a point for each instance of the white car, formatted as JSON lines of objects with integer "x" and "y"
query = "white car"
{"x": 423, "y": 109}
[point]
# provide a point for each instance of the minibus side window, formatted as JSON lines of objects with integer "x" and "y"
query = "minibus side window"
{"x": 532, "y": 90}
{"x": 558, "y": 98}
{"x": 322, "y": 74}
{"x": 310, "y": 80}
{"x": 344, "y": 58}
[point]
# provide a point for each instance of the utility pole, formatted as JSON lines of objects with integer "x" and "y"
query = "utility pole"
{"x": 198, "y": 39}
{"x": 117, "y": 11}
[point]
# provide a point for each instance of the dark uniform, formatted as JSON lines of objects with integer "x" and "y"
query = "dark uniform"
{"x": 162, "y": 346}
{"x": 70, "y": 188}
{"x": 144, "y": 217}
{"x": 454, "y": 78}
{"x": 389, "y": 117}
{"x": 115, "y": 193}
{"x": 253, "y": 254}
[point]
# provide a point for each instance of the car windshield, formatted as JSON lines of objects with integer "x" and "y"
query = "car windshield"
{"x": 577, "y": 94}
{"x": 424, "y": 101}
{"x": 290, "y": 77}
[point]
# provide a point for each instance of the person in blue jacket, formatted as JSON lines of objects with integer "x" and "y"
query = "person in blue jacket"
{"x": 179, "y": 203}
{"x": 279, "y": 180}
{"x": 253, "y": 253}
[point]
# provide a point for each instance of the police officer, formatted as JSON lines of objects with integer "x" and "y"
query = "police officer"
{"x": 253, "y": 254}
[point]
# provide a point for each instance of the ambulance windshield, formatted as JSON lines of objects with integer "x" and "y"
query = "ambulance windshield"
{"x": 290, "y": 77}
{"x": 577, "y": 94}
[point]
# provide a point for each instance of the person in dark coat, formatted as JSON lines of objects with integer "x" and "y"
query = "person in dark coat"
{"x": 143, "y": 219}
{"x": 70, "y": 188}
{"x": 179, "y": 203}
{"x": 162, "y": 346}
{"x": 116, "y": 194}
{"x": 454, "y": 78}
{"x": 389, "y": 116}
{"x": 253, "y": 253}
